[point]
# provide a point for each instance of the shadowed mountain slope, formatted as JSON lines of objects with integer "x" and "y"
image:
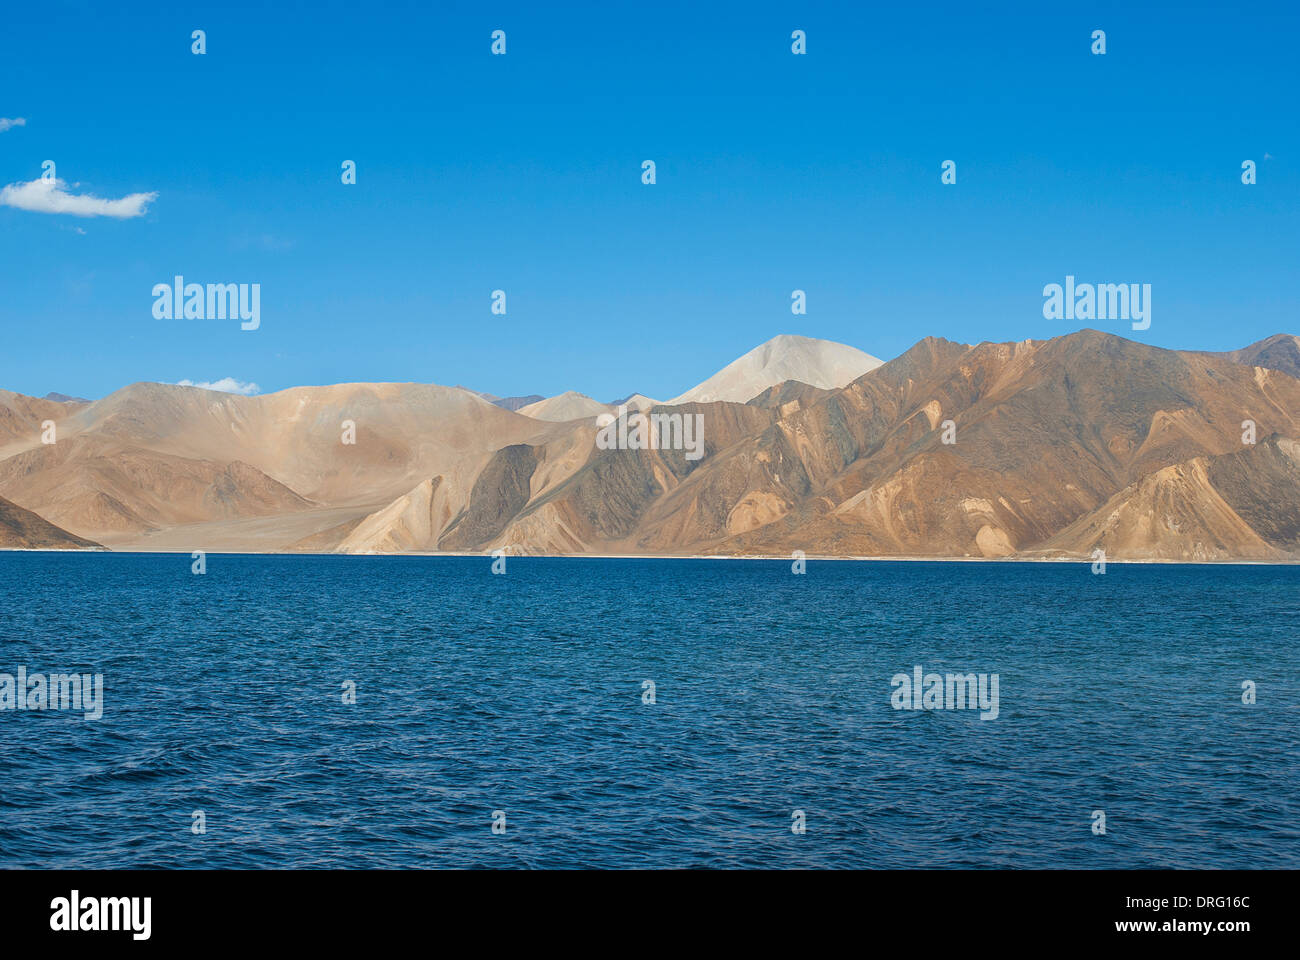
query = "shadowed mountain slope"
{"x": 1278, "y": 352}
{"x": 23, "y": 530}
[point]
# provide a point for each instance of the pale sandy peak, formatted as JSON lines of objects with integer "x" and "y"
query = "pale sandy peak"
{"x": 638, "y": 403}
{"x": 820, "y": 363}
{"x": 569, "y": 405}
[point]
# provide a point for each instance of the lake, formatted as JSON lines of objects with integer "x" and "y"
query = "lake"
{"x": 521, "y": 700}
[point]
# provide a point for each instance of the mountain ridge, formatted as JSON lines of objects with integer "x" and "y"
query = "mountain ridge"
{"x": 1061, "y": 446}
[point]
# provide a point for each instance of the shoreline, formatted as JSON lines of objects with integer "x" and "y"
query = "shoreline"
{"x": 669, "y": 556}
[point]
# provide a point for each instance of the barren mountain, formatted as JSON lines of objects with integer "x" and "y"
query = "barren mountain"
{"x": 1242, "y": 505}
{"x": 1048, "y": 448}
{"x": 565, "y": 406}
{"x": 505, "y": 403}
{"x": 791, "y": 391}
{"x": 153, "y": 456}
{"x": 23, "y": 530}
{"x": 109, "y": 489}
{"x": 439, "y": 514}
{"x": 1045, "y": 431}
{"x": 577, "y": 406}
{"x": 1278, "y": 352}
{"x": 514, "y": 403}
{"x": 1044, "y": 434}
{"x": 22, "y": 419}
{"x": 819, "y": 363}
{"x": 633, "y": 401}
{"x": 414, "y": 521}
{"x": 403, "y": 432}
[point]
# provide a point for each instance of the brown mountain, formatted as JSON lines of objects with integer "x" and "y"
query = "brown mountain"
{"x": 109, "y": 488}
{"x": 153, "y": 459}
{"x": 505, "y": 403}
{"x": 1240, "y": 505}
{"x": 1060, "y": 447}
{"x": 23, "y": 530}
{"x": 1047, "y": 434}
{"x": 515, "y": 403}
{"x": 1279, "y": 352}
{"x": 22, "y": 419}
{"x": 64, "y": 398}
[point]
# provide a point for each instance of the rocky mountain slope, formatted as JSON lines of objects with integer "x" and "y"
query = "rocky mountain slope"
{"x": 1279, "y": 352}
{"x": 23, "y": 530}
{"x": 1059, "y": 447}
{"x": 1037, "y": 449}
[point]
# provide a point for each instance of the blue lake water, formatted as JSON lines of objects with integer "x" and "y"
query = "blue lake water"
{"x": 523, "y": 693}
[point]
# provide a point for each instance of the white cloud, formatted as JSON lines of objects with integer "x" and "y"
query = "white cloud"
{"x": 6, "y": 123}
{"x": 51, "y": 196}
{"x": 224, "y": 385}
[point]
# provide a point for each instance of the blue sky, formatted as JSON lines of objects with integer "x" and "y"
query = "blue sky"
{"x": 523, "y": 172}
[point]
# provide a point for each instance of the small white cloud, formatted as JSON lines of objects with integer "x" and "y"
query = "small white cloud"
{"x": 6, "y": 123}
{"x": 51, "y": 196}
{"x": 224, "y": 385}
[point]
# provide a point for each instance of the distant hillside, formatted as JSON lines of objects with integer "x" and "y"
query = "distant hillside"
{"x": 1035, "y": 449}
{"x": 23, "y": 530}
{"x": 64, "y": 398}
{"x": 1278, "y": 352}
{"x": 514, "y": 403}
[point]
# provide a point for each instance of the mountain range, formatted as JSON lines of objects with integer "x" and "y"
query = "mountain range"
{"x": 1040, "y": 449}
